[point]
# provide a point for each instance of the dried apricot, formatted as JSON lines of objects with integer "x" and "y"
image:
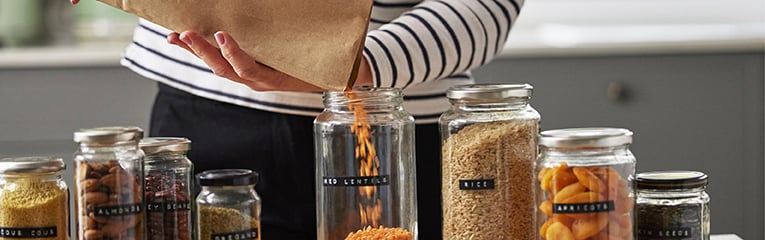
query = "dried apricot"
{"x": 588, "y": 227}
{"x": 569, "y": 191}
{"x": 546, "y": 207}
{"x": 545, "y": 226}
{"x": 558, "y": 231}
{"x": 589, "y": 180}
{"x": 561, "y": 179}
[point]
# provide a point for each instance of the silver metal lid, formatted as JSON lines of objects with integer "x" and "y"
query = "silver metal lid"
{"x": 31, "y": 165}
{"x": 108, "y": 135}
{"x": 489, "y": 91}
{"x": 154, "y": 145}
{"x": 585, "y": 137}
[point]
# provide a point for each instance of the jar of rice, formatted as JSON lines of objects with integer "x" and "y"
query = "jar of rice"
{"x": 489, "y": 150}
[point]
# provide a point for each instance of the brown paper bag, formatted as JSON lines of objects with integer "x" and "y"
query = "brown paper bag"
{"x": 317, "y": 41}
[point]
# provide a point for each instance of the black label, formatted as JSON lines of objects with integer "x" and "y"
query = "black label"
{"x": 120, "y": 210}
{"x": 45, "y": 232}
{"x": 674, "y": 233}
{"x": 357, "y": 181}
{"x": 249, "y": 234}
{"x": 478, "y": 184}
{"x": 593, "y": 207}
{"x": 168, "y": 206}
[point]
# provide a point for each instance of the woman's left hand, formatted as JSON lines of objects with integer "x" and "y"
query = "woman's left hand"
{"x": 233, "y": 63}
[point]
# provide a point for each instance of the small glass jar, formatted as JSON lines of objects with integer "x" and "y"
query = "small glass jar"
{"x": 672, "y": 205}
{"x": 583, "y": 184}
{"x": 167, "y": 181}
{"x": 489, "y": 139}
{"x": 228, "y": 206}
{"x": 34, "y": 200}
{"x": 109, "y": 183}
{"x": 365, "y": 166}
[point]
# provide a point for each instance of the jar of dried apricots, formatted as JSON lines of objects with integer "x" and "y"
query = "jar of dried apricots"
{"x": 583, "y": 184}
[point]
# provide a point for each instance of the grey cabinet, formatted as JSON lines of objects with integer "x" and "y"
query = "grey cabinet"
{"x": 701, "y": 112}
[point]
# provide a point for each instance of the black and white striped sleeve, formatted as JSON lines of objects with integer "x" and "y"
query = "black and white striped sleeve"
{"x": 437, "y": 38}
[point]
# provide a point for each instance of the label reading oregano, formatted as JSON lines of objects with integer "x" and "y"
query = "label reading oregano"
{"x": 242, "y": 235}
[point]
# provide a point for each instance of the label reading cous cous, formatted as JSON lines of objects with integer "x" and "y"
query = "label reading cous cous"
{"x": 248, "y": 234}
{"x": 45, "y": 232}
{"x": 357, "y": 181}
{"x": 479, "y": 184}
{"x": 592, "y": 207}
{"x": 120, "y": 210}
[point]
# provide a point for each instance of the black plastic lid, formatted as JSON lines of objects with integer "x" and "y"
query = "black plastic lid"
{"x": 668, "y": 180}
{"x": 227, "y": 177}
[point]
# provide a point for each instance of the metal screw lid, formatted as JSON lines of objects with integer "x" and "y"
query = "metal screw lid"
{"x": 668, "y": 180}
{"x": 227, "y": 177}
{"x": 155, "y": 145}
{"x": 489, "y": 91}
{"x": 585, "y": 137}
{"x": 31, "y": 165}
{"x": 108, "y": 135}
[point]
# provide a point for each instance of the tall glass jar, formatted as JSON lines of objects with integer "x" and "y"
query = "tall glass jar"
{"x": 583, "y": 184}
{"x": 228, "y": 206}
{"x": 365, "y": 166}
{"x": 489, "y": 139}
{"x": 672, "y": 205}
{"x": 167, "y": 181}
{"x": 109, "y": 183}
{"x": 34, "y": 200}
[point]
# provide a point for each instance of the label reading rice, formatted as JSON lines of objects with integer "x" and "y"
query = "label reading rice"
{"x": 45, "y": 232}
{"x": 478, "y": 184}
{"x": 592, "y": 207}
{"x": 357, "y": 181}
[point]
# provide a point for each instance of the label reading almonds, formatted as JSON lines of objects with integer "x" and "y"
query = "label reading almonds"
{"x": 248, "y": 234}
{"x": 592, "y": 207}
{"x": 119, "y": 210}
{"x": 44, "y": 232}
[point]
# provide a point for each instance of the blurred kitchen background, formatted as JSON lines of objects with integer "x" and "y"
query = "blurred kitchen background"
{"x": 685, "y": 75}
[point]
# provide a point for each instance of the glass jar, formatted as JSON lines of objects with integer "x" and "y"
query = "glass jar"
{"x": 365, "y": 166}
{"x": 34, "y": 200}
{"x": 672, "y": 205}
{"x": 489, "y": 138}
{"x": 109, "y": 183}
{"x": 583, "y": 183}
{"x": 228, "y": 206}
{"x": 167, "y": 181}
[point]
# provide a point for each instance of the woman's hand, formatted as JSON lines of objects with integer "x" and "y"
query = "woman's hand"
{"x": 233, "y": 63}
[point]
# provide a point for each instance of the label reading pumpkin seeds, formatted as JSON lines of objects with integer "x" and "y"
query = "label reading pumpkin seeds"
{"x": 356, "y": 181}
{"x": 593, "y": 207}
{"x": 479, "y": 184}
{"x": 45, "y": 232}
{"x": 248, "y": 234}
{"x": 675, "y": 233}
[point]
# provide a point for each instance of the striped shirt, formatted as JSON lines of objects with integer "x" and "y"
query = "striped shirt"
{"x": 423, "y": 47}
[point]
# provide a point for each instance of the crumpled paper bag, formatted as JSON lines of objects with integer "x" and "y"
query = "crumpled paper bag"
{"x": 317, "y": 41}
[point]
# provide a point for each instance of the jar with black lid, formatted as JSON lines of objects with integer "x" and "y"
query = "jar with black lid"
{"x": 228, "y": 206}
{"x": 672, "y": 205}
{"x": 167, "y": 181}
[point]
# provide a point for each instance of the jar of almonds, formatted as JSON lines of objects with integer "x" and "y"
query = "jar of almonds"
{"x": 108, "y": 183}
{"x": 583, "y": 184}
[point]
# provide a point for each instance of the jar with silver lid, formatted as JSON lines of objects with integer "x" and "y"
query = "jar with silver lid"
{"x": 489, "y": 138}
{"x": 167, "y": 181}
{"x": 109, "y": 183}
{"x": 672, "y": 205}
{"x": 34, "y": 200}
{"x": 584, "y": 189}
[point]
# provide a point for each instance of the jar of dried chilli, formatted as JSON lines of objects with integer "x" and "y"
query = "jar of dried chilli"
{"x": 167, "y": 181}
{"x": 365, "y": 166}
{"x": 583, "y": 184}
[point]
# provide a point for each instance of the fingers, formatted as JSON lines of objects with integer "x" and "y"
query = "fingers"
{"x": 244, "y": 65}
{"x": 211, "y": 55}
{"x": 175, "y": 39}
